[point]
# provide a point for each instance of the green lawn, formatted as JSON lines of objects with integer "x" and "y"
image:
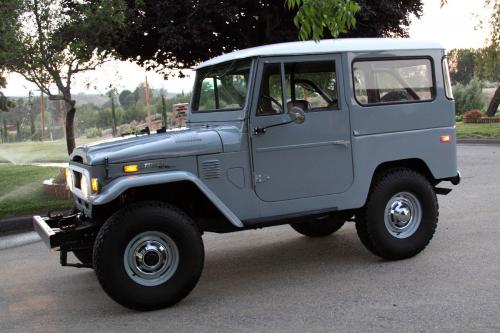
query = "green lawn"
{"x": 29, "y": 152}
{"x": 21, "y": 190}
{"x": 478, "y": 130}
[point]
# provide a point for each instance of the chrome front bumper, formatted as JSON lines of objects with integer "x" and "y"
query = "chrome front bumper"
{"x": 65, "y": 233}
{"x": 44, "y": 230}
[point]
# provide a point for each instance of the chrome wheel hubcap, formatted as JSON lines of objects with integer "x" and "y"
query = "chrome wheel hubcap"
{"x": 151, "y": 258}
{"x": 403, "y": 215}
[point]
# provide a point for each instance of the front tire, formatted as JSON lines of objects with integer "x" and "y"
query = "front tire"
{"x": 400, "y": 216}
{"x": 148, "y": 256}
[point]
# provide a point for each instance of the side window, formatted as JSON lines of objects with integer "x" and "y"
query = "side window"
{"x": 311, "y": 85}
{"x": 271, "y": 92}
{"x": 393, "y": 81}
{"x": 222, "y": 87}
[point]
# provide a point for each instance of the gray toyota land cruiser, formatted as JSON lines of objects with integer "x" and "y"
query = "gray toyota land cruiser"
{"x": 307, "y": 134}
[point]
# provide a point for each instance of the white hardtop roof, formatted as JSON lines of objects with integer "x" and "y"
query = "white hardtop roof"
{"x": 326, "y": 46}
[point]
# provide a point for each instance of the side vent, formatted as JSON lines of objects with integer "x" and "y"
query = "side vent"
{"x": 210, "y": 169}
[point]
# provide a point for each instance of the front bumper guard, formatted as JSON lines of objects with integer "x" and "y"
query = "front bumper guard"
{"x": 65, "y": 234}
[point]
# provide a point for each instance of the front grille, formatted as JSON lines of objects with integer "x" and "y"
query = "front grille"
{"x": 77, "y": 176}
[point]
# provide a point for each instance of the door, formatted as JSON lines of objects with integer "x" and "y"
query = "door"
{"x": 300, "y": 160}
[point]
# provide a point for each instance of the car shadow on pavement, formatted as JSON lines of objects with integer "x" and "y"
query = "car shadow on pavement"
{"x": 234, "y": 269}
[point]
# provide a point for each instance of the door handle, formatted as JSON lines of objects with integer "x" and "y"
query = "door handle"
{"x": 344, "y": 143}
{"x": 259, "y": 130}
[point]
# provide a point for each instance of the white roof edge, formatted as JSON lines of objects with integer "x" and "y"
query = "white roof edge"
{"x": 326, "y": 46}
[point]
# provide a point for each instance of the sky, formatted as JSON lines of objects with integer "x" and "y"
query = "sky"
{"x": 454, "y": 25}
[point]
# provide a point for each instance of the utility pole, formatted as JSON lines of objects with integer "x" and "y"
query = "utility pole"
{"x": 148, "y": 108}
{"x": 113, "y": 114}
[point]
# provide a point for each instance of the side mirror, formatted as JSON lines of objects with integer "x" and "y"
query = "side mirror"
{"x": 297, "y": 115}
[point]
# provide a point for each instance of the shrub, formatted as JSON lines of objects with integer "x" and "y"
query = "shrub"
{"x": 472, "y": 116}
{"x": 93, "y": 132}
{"x": 60, "y": 178}
{"x": 468, "y": 97}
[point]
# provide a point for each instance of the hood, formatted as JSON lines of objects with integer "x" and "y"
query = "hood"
{"x": 173, "y": 143}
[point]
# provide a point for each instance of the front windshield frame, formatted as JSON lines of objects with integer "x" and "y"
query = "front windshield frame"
{"x": 206, "y": 72}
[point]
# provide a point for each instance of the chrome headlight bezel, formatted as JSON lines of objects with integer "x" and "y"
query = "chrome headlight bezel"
{"x": 69, "y": 178}
{"x": 84, "y": 186}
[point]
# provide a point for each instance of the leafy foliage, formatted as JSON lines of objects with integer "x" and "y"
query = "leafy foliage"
{"x": 166, "y": 35}
{"x": 5, "y": 104}
{"x": 462, "y": 64}
{"x": 92, "y": 132}
{"x": 6, "y": 21}
{"x": 468, "y": 97}
{"x": 127, "y": 99}
{"x": 47, "y": 43}
{"x": 314, "y": 16}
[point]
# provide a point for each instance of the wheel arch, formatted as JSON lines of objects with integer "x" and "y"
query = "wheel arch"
{"x": 181, "y": 189}
{"x": 415, "y": 164}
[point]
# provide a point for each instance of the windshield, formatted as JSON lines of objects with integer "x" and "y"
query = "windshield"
{"x": 222, "y": 87}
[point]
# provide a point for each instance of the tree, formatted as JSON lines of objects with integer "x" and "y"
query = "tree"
{"x": 127, "y": 99}
{"x": 489, "y": 58}
{"x": 6, "y": 20}
{"x": 314, "y": 16}
{"x": 47, "y": 44}
{"x": 462, "y": 65}
{"x": 168, "y": 34}
{"x": 5, "y": 104}
{"x": 468, "y": 97}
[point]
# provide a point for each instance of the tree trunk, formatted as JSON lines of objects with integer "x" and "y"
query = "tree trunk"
{"x": 5, "y": 132}
{"x": 70, "y": 129}
{"x": 493, "y": 106}
{"x": 32, "y": 126}
{"x": 18, "y": 131}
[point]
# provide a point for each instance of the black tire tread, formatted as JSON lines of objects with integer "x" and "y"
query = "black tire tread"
{"x": 113, "y": 222}
{"x": 362, "y": 227}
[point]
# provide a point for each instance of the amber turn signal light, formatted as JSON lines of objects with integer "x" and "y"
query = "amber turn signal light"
{"x": 445, "y": 138}
{"x": 94, "y": 184}
{"x": 130, "y": 168}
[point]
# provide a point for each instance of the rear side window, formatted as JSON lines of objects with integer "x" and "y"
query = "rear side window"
{"x": 393, "y": 81}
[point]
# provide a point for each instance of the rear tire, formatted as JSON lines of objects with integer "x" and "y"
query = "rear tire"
{"x": 400, "y": 216}
{"x": 148, "y": 256}
{"x": 319, "y": 227}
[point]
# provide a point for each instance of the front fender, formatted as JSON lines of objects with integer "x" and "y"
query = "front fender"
{"x": 112, "y": 190}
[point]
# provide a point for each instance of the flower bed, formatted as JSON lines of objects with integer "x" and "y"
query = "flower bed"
{"x": 56, "y": 190}
{"x": 476, "y": 117}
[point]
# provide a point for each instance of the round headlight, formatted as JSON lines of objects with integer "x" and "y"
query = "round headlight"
{"x": 84, "y": 186}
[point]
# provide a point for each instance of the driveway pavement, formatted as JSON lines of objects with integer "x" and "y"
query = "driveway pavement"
{"x": 276, "y": 280}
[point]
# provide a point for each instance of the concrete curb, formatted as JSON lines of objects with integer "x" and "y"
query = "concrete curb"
{"x": 16, "y": 224}
{"x": 18, "y": 239}
{"x": 479, "y": 141}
